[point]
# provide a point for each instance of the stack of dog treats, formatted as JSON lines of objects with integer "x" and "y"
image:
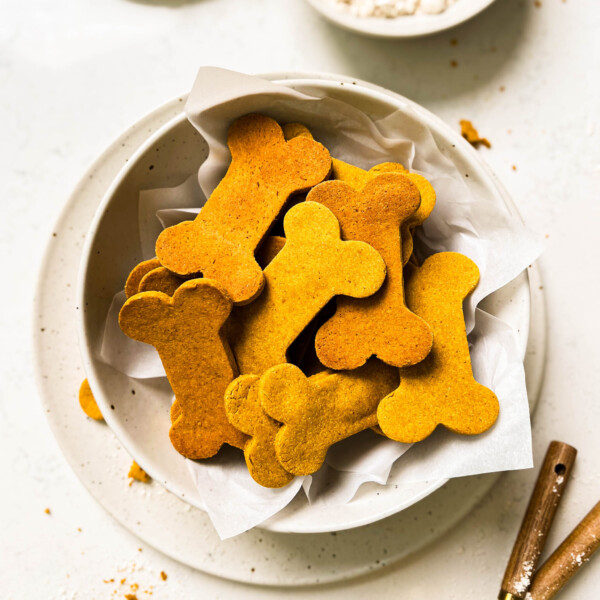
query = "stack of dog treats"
{"x": 282, "y": 345}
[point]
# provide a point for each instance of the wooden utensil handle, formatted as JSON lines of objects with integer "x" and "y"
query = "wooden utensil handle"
{"x": 538, "y": 519}
{"x": 568, "y": 558}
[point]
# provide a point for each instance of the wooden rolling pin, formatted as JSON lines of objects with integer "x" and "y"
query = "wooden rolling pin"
{"x": 568, "y": 558}
{"x": 538, "y": 519}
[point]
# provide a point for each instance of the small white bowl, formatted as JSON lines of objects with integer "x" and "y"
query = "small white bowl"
{"x": 140, "y": 420}
{"x": 401, "y": 27}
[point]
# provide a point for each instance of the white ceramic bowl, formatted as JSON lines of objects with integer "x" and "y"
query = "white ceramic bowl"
{"x": 400, "y": 27}
{"x": 141, "y": 420}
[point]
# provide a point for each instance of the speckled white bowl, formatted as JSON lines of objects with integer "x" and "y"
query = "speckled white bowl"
{"x": 137, "y": 411}
{"x": 400, "y": 27}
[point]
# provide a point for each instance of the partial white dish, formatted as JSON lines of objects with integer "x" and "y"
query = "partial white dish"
{"x": 137, "y": 411}
{"x": 401, "y": 27}
{"x": 160, "y": 518}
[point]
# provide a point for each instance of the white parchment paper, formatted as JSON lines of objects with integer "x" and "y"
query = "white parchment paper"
{"x": 478, "y": 226}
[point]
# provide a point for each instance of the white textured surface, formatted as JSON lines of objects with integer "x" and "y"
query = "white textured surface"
{"x": 74, "y": 75}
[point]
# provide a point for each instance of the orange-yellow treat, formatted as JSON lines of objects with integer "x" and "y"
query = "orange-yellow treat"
{"x": 294, "y": 130}
{"x": 319, "y": 411}
{"x": 441, "y": 390}
{"x": 244, "y": 412}
{"x": 358, "y": 178}
{"x": 136, "y": 472}
{"x": 419, "y": 216}
{"x": 88, "y": 402}
{"x": 137, "y": 274}
{"x": 186, "y": 331}
{"x": 381, "y": 325}
{"x": 313, "y": 267}
{"x": 472, "y": 135}
{"x": 387, "y": 167}
{"x": 269, "y": 249}
{"x": 354, "y": 176}
{"x": 265, "y": 171}
{"x": 160, "y": 280}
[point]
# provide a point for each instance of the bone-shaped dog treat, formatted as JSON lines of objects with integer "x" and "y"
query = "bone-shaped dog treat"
{"x": 420, "y": 215}
{"x": 186, "y": 331}
{"x": 245, "y": 413}
{"x": 137, "y": 274}
{"x": 319, "y": 411}
{"x": 441, "y": 390}
{"x": 265, "y": 171}
{"x": 314, "y": 266}
{"x": 354, "y": 176}
{"x": 160, "y": 280}
{"x": 381, "y": 325}
{"x": 358, "y": 178}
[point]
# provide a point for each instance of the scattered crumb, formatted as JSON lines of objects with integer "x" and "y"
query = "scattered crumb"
{"x": 88, "y": 402}
{"x": 509, "y": 131}
{"x": 537, "y": 3}
{"x": 514, "y": 167}
{"x": 136, "y": 472}
{"x": 139, "y": 550}
{"x": 454, "y": 42}
{"x": 471, "y": 134}
{"x": 493, "y": 49}
{"x": 547, "y": 235}
{"x": 79, "y": 529}
{"x": 163, "y": 575}
{"x": 133, "y": 585}
{"x": 453, "y": 63}
{"x": 47, "y": 511}
{"x": 502, "y": 88}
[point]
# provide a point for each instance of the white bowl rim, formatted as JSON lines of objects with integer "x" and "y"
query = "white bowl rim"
{"x": 401, "y": 27}
{"x": 86, "y": 345}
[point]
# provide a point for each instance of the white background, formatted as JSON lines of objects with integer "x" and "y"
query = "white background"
{"x": 74, "y": 74}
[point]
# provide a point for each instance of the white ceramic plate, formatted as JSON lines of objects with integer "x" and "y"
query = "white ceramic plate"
{"x": 401, "y": 27}
{"x": 137, "y": 411}
{"x": 163, "y": 520}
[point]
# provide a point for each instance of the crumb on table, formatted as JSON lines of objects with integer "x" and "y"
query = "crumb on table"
{"x": 136, "y": 472}
{"x": 472, "y": 135}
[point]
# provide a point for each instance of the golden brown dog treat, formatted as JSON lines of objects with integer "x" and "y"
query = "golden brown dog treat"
{"x": 137, "y": 274}
{"x": 186, "y": 331}
{"x": 269, "y": 249}
{"x": 419, "y": 216}
{"x": 294, "y": 130}
{"x": 441, "y": 390}
{"x": 358, "y": 178}
{"x": 265, "y": 171}
{"x": 313, "y": 267}
{"x": 160, "y": 280}
{"x": 388, "y": 167}
{"x": 381, "y": 325}
{"x": 136, "y": 472}
{"x": 244, "y": 412}
{"x": 319, "y": 411}
{"x": 88, "y": 402}
{"x": 354, "y": 176}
